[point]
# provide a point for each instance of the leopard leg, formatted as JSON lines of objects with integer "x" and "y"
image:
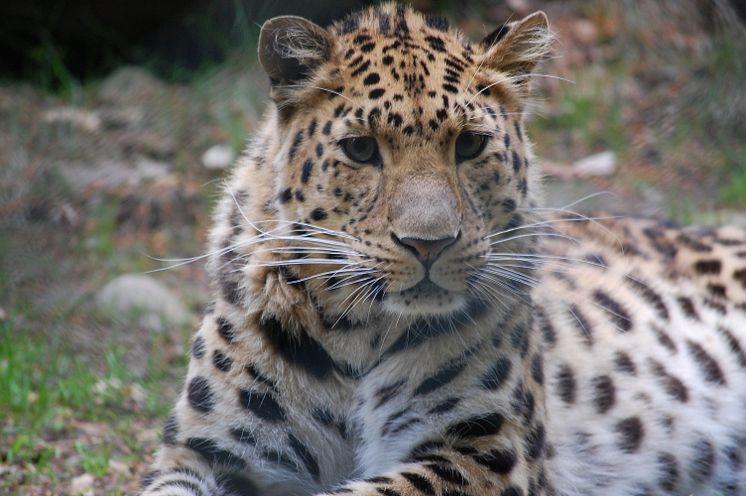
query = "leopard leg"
{"x": 490, "y": 458}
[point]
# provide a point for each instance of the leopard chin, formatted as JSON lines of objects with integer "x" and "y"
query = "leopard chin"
{"x": 424, "y": 299}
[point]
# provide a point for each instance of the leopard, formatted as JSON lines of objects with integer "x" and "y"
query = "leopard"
{"x": 394, "y": 312}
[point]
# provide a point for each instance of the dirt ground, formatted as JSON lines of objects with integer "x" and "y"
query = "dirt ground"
{"x": 638, "y": 113}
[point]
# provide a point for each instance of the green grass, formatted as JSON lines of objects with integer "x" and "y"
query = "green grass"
{"x": 38, "y": 379}
{"x": 733, "y": 190}
{"x": 93, "y": 461}
{"x": 50, "y": 73}
{"x": 46, "y": 382}
{"x": 593, "y": 117}
{"x": 101, "y": 235}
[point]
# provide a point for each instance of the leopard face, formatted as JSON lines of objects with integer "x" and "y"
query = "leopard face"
{"x": 407, "y": 142}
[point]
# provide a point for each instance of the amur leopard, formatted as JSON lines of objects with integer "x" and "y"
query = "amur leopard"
{"x": 395, "y": 313}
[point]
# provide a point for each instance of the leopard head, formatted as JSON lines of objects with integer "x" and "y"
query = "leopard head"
{"x": 402, "y": 145}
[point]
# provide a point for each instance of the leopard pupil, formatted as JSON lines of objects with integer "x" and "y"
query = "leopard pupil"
{"x": 360, "y": 149}
{"x": 469, "y": 145}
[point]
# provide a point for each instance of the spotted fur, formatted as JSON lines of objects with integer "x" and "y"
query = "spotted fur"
{"x": 411, "y": 323}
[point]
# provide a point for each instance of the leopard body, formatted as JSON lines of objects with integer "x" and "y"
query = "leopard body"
{"x": 413, "y": 322}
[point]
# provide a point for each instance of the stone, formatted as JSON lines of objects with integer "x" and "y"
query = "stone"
{"x": 218, "y": 157}
{"x": 585, "y": 31}
{"x": 149, "y": 143}
{"x": 120, "y": 468}
{"x": 131, "y": 116}
{"x": 130, "y": 84}
{"x": 82, "y": 484}
{"x": 109, "y": 174}
{"x": 144, "y": 296}
{"x": 599, "y": 164}
{"x": 84, "y": 119}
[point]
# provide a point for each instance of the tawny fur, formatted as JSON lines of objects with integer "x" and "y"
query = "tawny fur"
{"x": 548, "y": 354}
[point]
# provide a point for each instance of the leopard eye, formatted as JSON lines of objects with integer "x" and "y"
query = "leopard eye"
{"x": 363, "y": 149}
{"x": 469, "y": 145}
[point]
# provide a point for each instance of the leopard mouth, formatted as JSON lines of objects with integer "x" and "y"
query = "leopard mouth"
{"x": 425, "y": 288}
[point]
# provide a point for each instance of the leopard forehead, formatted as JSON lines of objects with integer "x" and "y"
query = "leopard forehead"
{"x": 410, "y": 72}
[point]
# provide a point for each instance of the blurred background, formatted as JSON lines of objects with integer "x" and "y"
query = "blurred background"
{"x": 118, "y": 122}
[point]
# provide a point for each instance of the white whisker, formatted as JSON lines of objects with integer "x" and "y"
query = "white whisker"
{"x": 534, "y": 235}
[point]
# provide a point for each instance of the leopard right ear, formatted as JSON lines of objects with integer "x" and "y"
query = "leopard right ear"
{"x": 516, "y": 48}
{"x": 290, "y": 48}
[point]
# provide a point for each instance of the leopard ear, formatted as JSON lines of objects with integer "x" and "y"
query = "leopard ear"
{"x": 291, "y": 47}
{"x": 515, "y": 48}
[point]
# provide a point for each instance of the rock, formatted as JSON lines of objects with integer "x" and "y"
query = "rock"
{"x": 82, "y": 484}
{"x": 600, "y": 164}
{"x": 119, "y": 468}
{"x": 121, "y": 117}
{"x": 585, "y": 31}
{"x": 168, "y": 202}
{"x": 147, "y": 436}
{"x": 130, "y": 85}
{"x": 519, "y": 6}
{"x": 84, "y": 119}
{"x": 151, "y": 169}
{"x": 218, "y": 157}
{"x": 129, "y": 294}
{"x": 109, "y": 174}
{"x": 150, "y": 143}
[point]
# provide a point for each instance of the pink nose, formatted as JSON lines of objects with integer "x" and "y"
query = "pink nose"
{"x": 426, "y": 250}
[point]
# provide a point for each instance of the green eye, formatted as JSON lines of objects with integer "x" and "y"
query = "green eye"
{"x": 363, "y": 149}
{"x": 469, "y": 145}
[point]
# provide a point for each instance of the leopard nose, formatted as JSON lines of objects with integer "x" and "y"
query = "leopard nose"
{"x": 426, "y": 250}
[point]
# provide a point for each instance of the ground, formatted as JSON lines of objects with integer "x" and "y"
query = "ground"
{"x": 103, "y": 177}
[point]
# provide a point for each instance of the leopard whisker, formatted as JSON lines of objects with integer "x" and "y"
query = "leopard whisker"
{"x": 584, "y": 218}
{"x": 482, "y": 286}
{"x": 327, "y": 90}
{"x": 380, "y": 289}
{"x": 511, "y": 290}
{"x": 332, "y": 273}
{"x": 484, "y": 59}
{"x": 548, "y": 222}
{"x": 185, "y": 261}
{"x": 352, "y": 303}
{"x": 371, "y": 293}
{"x": 512, "y": 274}
{"x": 281, "y": 222}
{"x": 301, "y": 250}
{"x": 264, "y": 236}
{"x": 539, "y": 75}
{"x": 534, "y": 235}
{"x": 299, "y": 261}
{"x": 352, "y": 279}
{"x": 574, "y": 203}
{"x": 538, "y": 258}
{"x": 311, "y": 240}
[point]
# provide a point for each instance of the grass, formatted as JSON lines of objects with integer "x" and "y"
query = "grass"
{"x": 733, "y": 190}
{"x": 592, "y": 115}
{"x": 50, "y": 71}
{"x": 49, "y": 388}
{"x": 94, "y": 461}
{"x": 44, "y": 377}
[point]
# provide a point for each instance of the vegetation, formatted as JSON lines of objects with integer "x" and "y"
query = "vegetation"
{"x": 99, "y": 177}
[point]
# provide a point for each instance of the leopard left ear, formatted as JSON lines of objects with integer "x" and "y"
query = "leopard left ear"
{"x": 291, "y": 47}
{"x": 515, "y": 48}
